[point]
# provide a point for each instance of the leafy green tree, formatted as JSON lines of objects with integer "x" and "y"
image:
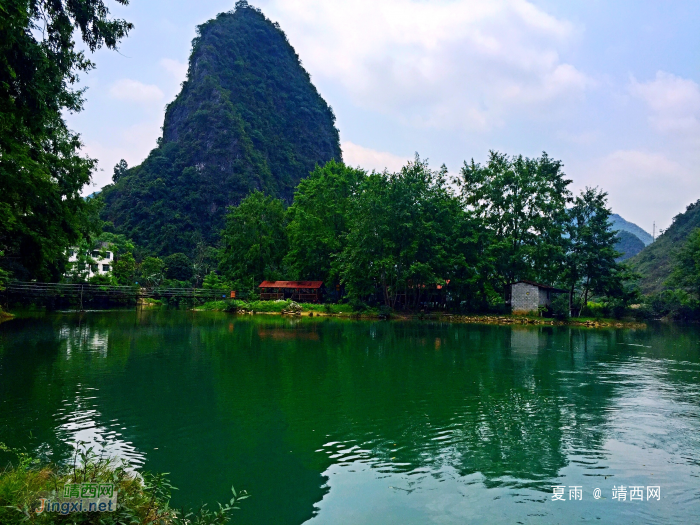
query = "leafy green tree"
{"x": 124, "y": 269}
{"x": 319, "y": 221}
{"x": 179, "y": 267}
{"x": 206, "y": 259}
{"x": 404, "y": 236}
{"x": 152, "y": 271}
{"x": 255, "y": 240}
{"x": 522, "y": 204}
{"x": 119, "y": 170}
{"x": 686, "y": 273}
{"x": 215, "y": 281}
{"x": 591, "y": 267}
{"x": 41, "y": 170}
{"x": 4, "y": 277}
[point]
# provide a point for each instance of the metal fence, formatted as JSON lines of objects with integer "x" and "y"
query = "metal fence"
{"x": 32, "y": 289}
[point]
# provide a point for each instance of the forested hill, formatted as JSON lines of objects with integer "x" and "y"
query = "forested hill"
{"x": 620, "y": 224}
{"x": 248, "y": 117}
{"x": 655, "y": 262}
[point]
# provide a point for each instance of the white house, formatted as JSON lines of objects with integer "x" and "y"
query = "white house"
{"x": 101, "y": 265}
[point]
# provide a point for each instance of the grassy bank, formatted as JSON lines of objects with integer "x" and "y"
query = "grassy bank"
{"x": 346, "y": 310}
{"x": 279, "y": 307}
{"x": 140, "y": 498}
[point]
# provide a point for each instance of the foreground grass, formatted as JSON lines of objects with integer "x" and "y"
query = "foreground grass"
{"x": 141, "y": 499}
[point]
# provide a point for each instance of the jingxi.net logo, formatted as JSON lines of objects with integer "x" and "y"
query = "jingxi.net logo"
{"x": 81, "y": 497}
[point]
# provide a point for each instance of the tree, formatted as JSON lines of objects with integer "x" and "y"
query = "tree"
{"x": 152, "y": 271}
{"x": 124, "y": 269}
{"x": 522, "y": 204}
{"x": 4, "y": 277}
{"x": 404, "y": 236}
{"x": 255, "y": 240}
{"x": 686, "y": 273}
{"x": 205, "y": 261}
{"x": 319, "y": 221}
{"x": 119, "y": 170}
{"x": 591, "y": 266}
{"x": 179, "y": 267}
{"x": 41, "y": 170}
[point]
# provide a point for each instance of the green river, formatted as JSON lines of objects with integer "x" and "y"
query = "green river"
{"x": 329, "y": 421}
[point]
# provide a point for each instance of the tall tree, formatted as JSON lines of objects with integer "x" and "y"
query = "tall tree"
{"x": 319, "y": 221}
{"x": 119, "y": 170}
{"x": 255, "y": 240}
{"x": 41, "y": 169}
{"x": 404, "y": 235}
{"x": 522, "y": 203}
{"x": 591, "y": 266}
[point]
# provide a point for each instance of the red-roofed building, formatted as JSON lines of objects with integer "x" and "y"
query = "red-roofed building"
{"x": 301, "y": 291}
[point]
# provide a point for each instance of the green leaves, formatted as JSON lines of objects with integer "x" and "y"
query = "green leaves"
{"x": 319, "y": 221}
{"x": 405, "y": 235}
{"x": 41, "y": 170}
{"x": 686, "y": 273}
{"x": 590, "y": 266}
{"x": 254, "y": 239}
{"x": 522, "y": 204}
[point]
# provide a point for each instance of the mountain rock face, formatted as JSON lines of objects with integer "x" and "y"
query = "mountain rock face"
{"x": 618, "y": 223}
{"x": 655, "y": 262}
{"x": 247, "y": 118}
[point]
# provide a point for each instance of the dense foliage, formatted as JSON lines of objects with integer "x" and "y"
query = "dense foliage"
{"x": 41, "y": 169}
{"x": 407, "y": 239}
{"x": 522, "y": 202}
{"x": 657, "y": 261}
{"x": 254, "y": 240}
{"x": 248, "y": 118}
{"x": 591, "y": 267}
{"x": 319, "y": 221}
{"x": 405, "y": 236}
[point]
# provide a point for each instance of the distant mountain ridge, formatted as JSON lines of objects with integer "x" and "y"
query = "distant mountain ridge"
{"x": 247, "y": 118}
{"x": 628, "y": 245}
{"x": 655, "y": 262}
{"x": 618, "y": 223}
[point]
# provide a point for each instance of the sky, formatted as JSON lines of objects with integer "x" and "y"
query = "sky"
{"x": 612, "y": 89}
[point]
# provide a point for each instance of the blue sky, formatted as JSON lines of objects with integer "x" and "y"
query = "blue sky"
{"x": 610, "y": 88}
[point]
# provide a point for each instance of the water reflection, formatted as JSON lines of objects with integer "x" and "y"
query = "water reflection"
{"x": 366, "y": 422}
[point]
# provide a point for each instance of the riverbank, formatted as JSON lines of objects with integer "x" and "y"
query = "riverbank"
{"x": 344, "y": 310}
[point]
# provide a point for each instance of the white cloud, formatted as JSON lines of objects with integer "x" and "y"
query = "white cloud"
{"x": 178, "y": 70}
{"x": 135, "y": 91}
{"x": 673, "y": 101}
{"x": 369, "y": 159}
{"x": 642, "y": 186}
{"x": 132, "y": 144}
{"x": 465, "y": 64}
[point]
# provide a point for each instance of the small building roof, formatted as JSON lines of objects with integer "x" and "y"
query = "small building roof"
{"x": 540, "y": 285}
{"x": 291, "y": 284}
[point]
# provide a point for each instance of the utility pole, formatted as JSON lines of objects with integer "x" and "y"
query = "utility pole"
{"x": 653, "y": 232}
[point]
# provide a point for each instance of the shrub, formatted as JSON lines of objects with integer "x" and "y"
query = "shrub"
{"x": 141, "y": 499}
